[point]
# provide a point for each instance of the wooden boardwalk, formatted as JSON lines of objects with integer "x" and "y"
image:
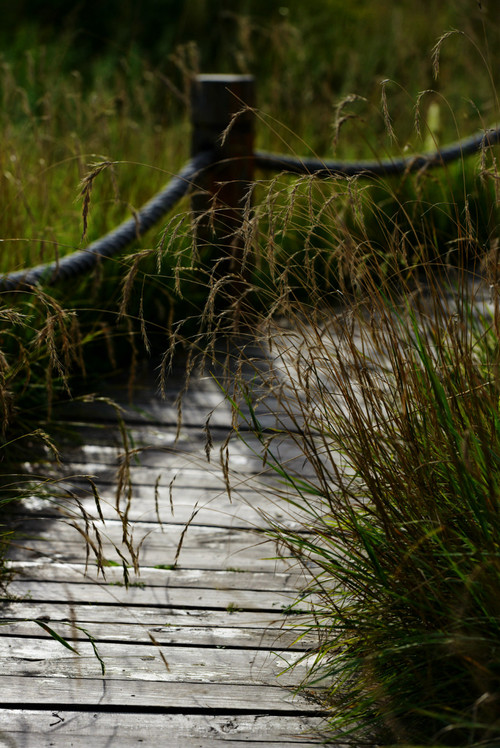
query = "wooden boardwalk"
{"x": 193, "y": 648}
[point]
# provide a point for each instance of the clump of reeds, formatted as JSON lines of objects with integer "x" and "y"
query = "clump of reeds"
{"x": 384, "y": 361}
{"x": 396, "y": 414}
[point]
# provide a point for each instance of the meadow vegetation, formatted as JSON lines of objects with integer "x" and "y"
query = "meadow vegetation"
{"x": 378, "y": 300}
{"x": 388, "y": 390}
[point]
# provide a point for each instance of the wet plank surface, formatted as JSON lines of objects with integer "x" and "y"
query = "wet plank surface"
{"x": 191, "y": 613}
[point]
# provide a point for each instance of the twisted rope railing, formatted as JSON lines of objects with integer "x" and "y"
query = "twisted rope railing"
{"x": 84, "y": 260}
{"x": 384, "y": 168}
{"x": 216, "y": 108}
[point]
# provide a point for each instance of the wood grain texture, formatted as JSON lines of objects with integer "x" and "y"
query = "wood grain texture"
{"x": 169, "y": 597}
{"x": 212, "y": 630}
{"x": 198, "y": 647}
{"x": 178, "y": 627}
{"x": 67, "y": 728}
{"x": 52, "y": 571}
{"x": 121, "y": 693}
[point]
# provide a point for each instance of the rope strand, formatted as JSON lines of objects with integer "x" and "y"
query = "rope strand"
{"x": 110, "y": 244}
{"x": 384, "y": 168}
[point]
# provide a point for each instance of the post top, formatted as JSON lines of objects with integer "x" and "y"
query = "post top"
{"x": 224, "y": 78}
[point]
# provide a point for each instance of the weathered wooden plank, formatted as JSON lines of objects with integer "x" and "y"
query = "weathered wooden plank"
{"x": 147, "y": 406}
{"x": 246, "y": 508}
{"x": 97, "y": 461}
{"x": 187, "y": 578}
{"x": 195, "y": 412}
{"x": 112, "y": 530}
{"x": 61, "y": 692}
{"x": 183, "y": 470}
{"x": 164, "y": 621}
{"x": 215, "y": 633}
{"x": 219, "y": 556}
{"x": 35, "y": 658}
{"x": 125, "y": 741}
{"x": 150, "y": 435}
{"x": 178, "y": 475}
{"x": 159, "y": 451}
{"x": 66, "y": 728}
{"x": 157, "y": 412}
{"x": 202, "y": 547}
{"x": 174, "y": 597}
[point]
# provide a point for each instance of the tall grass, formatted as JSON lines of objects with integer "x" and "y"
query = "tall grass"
{"x": 396, "y": 417}
{"x": 55, "y": 130}
{"x": 385, "y": 378}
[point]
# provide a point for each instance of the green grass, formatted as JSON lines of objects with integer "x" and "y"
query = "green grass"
{"x": 388, "y": 373}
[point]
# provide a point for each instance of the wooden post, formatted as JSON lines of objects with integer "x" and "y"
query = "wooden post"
{"x": 221, "y": 122}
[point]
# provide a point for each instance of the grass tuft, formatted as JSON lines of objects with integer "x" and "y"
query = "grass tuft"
{"x": 381, "y": 335}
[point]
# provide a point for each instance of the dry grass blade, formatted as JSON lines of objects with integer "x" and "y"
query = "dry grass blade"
{"x": 436, "y": 50}
{"x": 183, "y": 534}
{"x": 209, "y": 444}
{"x": 86, "y": 186}
{"x": 385, "y": 110}
{"x": 158, "y": 645}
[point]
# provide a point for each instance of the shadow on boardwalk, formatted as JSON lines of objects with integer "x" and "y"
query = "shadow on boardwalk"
{"x": 193, "y": 646}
